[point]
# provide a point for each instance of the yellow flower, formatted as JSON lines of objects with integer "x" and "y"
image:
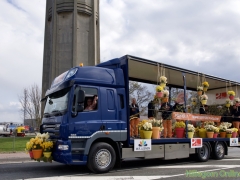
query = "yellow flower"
{"x": 205, "y": 84}
{"x": 231, "y": 93}
{"x": 180, "y": 124}
{"x": 159, "y": 89}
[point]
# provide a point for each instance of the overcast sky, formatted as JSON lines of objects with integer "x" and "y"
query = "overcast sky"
{"x": 200, "y": 35}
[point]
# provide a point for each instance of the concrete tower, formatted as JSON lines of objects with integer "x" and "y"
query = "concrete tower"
{"x": 71, "y": 37}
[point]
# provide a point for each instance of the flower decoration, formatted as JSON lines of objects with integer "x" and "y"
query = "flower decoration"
{"x": 204, "y": 97}
{"x": 194, "y": 99}
{"x": 199, "y": 88}
{"x": 38, "y": 142}
{"x": 229, "y": 131}
{"x": 231, "y": 93}
{"x": 209, "y": 128}
{"x": 159, "y": 89}
{"x": 228, "y": 101}
{"x": 47, "y": 146}
{"x": 208, "y": 123}
{"x": 163, "y": 80}
{"x": 236, "y": 100}
{"x": 165, "y": 93}
{"x": 140, "y": 124}
{"x": 205, "y": 84}
{"x": 234, "y": 130}
{"x": 147, "y": 126}
{"x": 180, "y": 124}
{"x": 156, "y": 123}
{"x": 216, "y": 130}
{"x": 222, "y": 128}
{"x": 227, "y": 124}
{"x": 190, "y": 128}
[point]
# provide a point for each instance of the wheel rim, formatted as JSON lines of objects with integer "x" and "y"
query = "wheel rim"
{"x": 204, "y": 152}
{"x": 103, "y": 158}
{"x": 220, "y": 150}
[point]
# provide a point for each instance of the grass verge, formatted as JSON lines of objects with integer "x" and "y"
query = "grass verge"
{"x": 12, "y": 144}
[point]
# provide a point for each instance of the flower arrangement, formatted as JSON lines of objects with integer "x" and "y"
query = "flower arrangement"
{"x": 163, "y": 79}
{"x": 47, "y": 146}
{"x": 140, "y": 124}
{"x": 165, "y": 93}
{"x": 208, "y": 123}
{"x": 209, "y": 128}
{"x": 199, "y": 88}
{"x": 234, "y": 130}
{"x": 147, "y": 126}
{"x": 205, "y": 84}
{"x": 229, "y": 131}
{"x": 228, "y": 101}
{"x": 204, "y": 97}
{"x": 222, "y": 128}
{"x": 180, "y": 124}
{"x": 216, "y": 130}
{"x": 156, "y": 123}
{"x": 231, "y": 93}
{"x": 190, "y": 128}
{"x": 159, "y": 89}
{"x": 236, "y": 100}
{"x": 227, "y": 124}
{"x": 194, "y": 99}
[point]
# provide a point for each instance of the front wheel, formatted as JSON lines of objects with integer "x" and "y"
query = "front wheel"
{"x": 102, "y": 158}
{"x": 203, "y": 153}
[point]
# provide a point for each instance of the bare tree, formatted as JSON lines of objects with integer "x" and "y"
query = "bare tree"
{"x": 30, "y": 103}
{"x": 141, "y": 93}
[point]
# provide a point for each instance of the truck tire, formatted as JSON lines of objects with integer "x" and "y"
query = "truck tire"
{"x": 203, "y": 153}
{"x": 102, "y": 158}
{"x": 219, "y": 150}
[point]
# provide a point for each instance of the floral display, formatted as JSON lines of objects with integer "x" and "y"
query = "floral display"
{"x": 234, "y": 130}
{"x": 180, "y": 124}
{"x": 147, "y": 126}
{"x": 190, "y": 128}
{"x": 199, "y": 88}
{"x": 231, "y": 93}
{"x": 209, "y": 128}
{"x": 165, "y": 93}
{"x": 229, "y": 131}
{"x": 156, "y": 123}
{"x": 205, "y": 84}
{"x": 222, "y": 128}
{"x": 208, "y": 123}
{"x": 204, "y": 97}
{"x": 159, "y": 89}
{"x": 163, "y": 79}
{"x": 216, "y": 130}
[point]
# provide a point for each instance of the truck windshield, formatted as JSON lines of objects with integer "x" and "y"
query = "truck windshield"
{"x": 57, "y": 102}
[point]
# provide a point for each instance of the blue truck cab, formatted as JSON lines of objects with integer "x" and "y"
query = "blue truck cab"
{"x": 77, "y": 131}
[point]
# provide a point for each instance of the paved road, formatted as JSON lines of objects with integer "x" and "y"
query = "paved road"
{"x": 137, "y": 169}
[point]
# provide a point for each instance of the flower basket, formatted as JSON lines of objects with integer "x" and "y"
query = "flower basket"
{"x": 47, "y": 154}
{"x": 229, "y": 135}
{"x": 31, "y": 154}
{"x": 190, "y": 134}
{"x": 147, "y": 134}
{"x": 215, "y": 135}
{"x": 204, "y": 102}
{"x": 165, "y": 99}
{"x": 222, "y": 134}
{"x": 155, "y": 132}
{"x": 231, "y": 97}
{"x": 234, "y": 134}
{"x": 205, "y": 89}
{"x": 202, "y": 133}
{"x": 159, "y": 94}
{"x": 37, "y": 153}
{"x": 228, "y": 105}
{"x": 205, "y": 86}
{"x": 179, "y": 132}
{"x": 199, "y": 93}
{"x": 210, "y": 134}
{"x": 163, "y": 85}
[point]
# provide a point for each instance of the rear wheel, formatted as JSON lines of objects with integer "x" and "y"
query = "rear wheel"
{"x": 102, "y": 158}
{"x": 203, "y": 153}
{"x": 219, "y": 150}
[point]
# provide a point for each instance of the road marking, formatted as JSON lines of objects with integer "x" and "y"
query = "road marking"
{"x": 194, "y": 166}
{"x": 16, "y": 162}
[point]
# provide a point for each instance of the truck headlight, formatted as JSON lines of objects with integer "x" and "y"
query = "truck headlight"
{"x": 63, "y": 147}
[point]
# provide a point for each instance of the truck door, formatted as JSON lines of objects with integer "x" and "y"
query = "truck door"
{"x": 111, "y": 112}
{"x": 88, "y": 122}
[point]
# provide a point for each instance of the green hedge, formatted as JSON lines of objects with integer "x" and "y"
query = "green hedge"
{"x": 12, "y": 144}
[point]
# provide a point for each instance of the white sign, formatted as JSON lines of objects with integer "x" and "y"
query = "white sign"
{"x": 196, "y": 142}
{"x": 142, "y": 144}
{"x": 233, "y": 141}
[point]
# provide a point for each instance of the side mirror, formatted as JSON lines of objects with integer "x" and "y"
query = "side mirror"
{"x": 80, "y": 96}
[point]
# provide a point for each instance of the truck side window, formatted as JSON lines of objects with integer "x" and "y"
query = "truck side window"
{"x": 89, "y": 103}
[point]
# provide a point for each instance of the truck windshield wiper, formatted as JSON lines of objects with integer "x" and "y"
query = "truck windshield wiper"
{"x": 57, "y": 112}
